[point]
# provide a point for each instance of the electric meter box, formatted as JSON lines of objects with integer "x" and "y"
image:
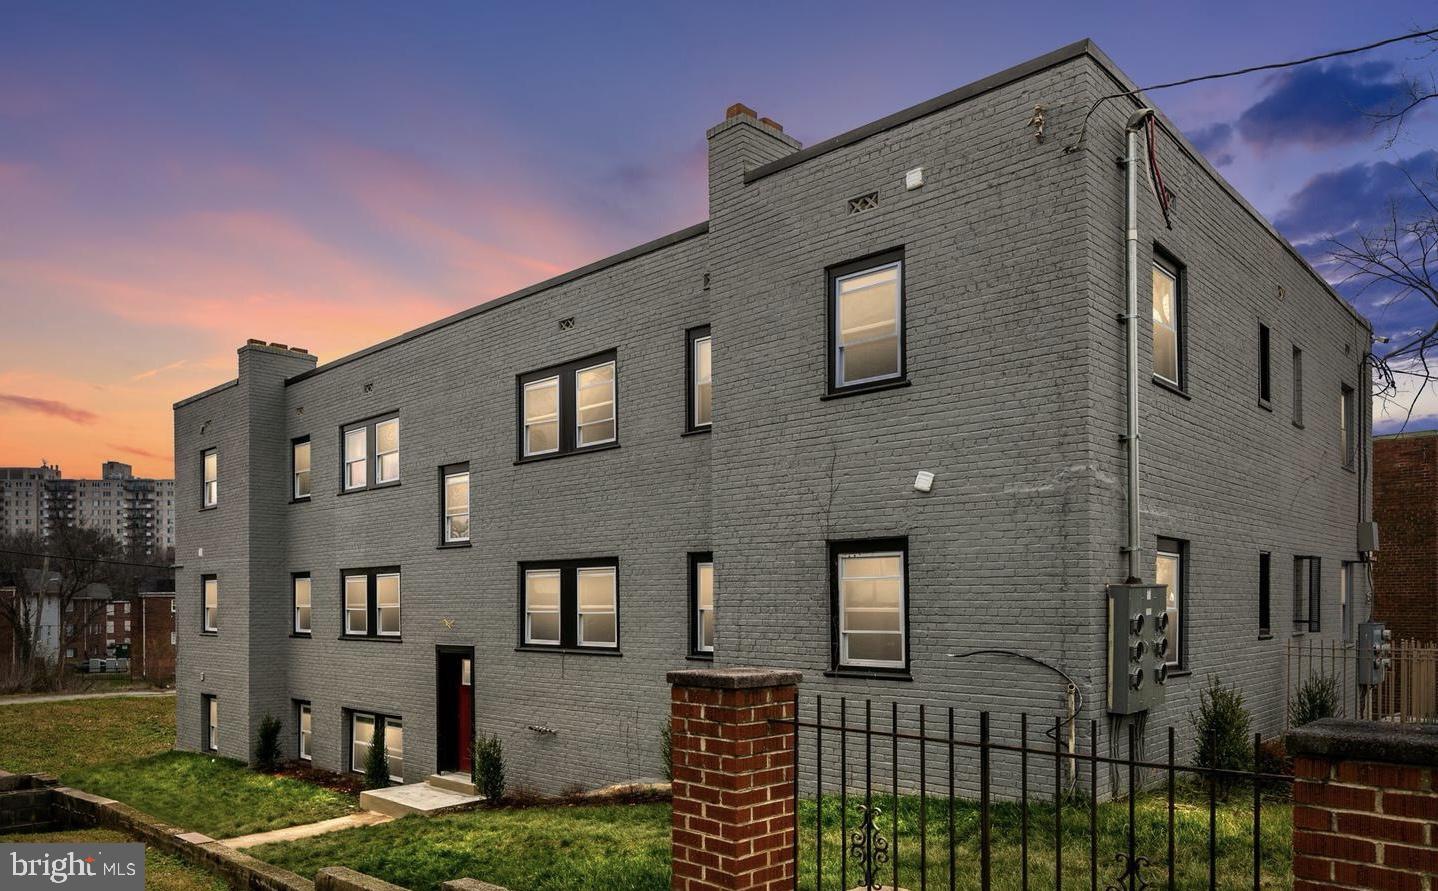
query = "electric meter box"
{"x": 1375, "y": 653}
{"x": 1137, "y": 647}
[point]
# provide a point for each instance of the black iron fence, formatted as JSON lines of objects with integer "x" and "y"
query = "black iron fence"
{"x": 898, "y": 798}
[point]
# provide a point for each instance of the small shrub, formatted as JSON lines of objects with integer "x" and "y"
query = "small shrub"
{"x": 376, "y": 764}
{"x": 1317, "y": 698}
{"x": 489, "y": 767}
{"x": 666, "y": 750}
{"x": 267, "y": 744}
{"x": 1222, "y": 727}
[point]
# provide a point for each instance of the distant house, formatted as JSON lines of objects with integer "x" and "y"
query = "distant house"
{"x": 1405, "y": 504}
{"x": 152, "y": 648}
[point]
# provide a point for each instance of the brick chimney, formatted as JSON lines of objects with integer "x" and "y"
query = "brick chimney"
{"x": 742, "y": 141}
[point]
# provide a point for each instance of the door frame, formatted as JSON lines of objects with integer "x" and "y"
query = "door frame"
{"x": 446, "y": 757}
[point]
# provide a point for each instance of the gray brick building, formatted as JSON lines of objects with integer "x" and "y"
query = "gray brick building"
{"x": 868, "y": 322}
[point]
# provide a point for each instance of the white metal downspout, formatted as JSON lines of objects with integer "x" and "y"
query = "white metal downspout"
{"x": 1131, "y": 161}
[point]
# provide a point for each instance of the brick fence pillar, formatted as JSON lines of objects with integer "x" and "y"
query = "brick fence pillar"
{"x": 1365, "y": 806}
{"x": 734, "y": 806}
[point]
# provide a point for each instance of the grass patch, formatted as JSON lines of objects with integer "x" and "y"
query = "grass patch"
{"x": 60, "y": 737}
{"x": 1234, "y": 831}
{"x": 216, "y": 796}
{"x": 626, "y": 847}
{"x": 162, "y": 871}
{"x": 614, "y": 847}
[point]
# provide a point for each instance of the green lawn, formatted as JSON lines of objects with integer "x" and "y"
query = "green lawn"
{"x": 162, "y": 872}
{"x": 216, "y": 796}
{"x": 626, "y": 847}
{"x": 120, "y": 748}
{"x": 59, "y": 737}
{"x": 614, "y": 847}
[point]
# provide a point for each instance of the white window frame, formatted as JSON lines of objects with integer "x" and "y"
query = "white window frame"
{"x": 300, "y": 491}
{"x": 580, "y": 612}
{"x": 212, "y": 723}
{"x": 530, "y": 611}
{"x": 548, "y": 382}
{"x": 699, "y": 608}
{"x": 305, "y": 722}
{"x": 902, "y": 609}
{"x": 452, "y": 511}
{"x": 612, "y": 419}
{"x": 362, "y": 610}
{"x": 394, "y": 755}
{"x": 210, "y": 461}
{"x": 380, "y": 456}
{"x": 378, "y": 724}
{"x": 210, "y": 586}
{"x": 1173, "y": 604}
{"x": 357, "y": 761}
{"x": 307, "y": 605}
{"x": 1176, "y": 330}
{"x": 356, "y": 465}
{"x": 707, "y": 341}
{"x": 379, "y": 608}
{"x": 840, "y": 381}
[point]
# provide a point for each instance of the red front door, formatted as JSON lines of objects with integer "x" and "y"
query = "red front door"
{"x": 465, "y": 723}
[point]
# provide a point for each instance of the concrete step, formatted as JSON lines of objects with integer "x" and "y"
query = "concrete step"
{"x": 416, "y": 798}
{"x": 454, "y": 782}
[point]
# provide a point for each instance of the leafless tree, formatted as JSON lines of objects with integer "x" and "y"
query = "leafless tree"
{"x": 46, "y": 597}
{"x": 1400, "y": 258}
{"x": 1419, "y": 88}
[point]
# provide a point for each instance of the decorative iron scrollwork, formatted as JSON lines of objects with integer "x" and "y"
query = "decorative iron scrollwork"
{"x": 869, "y": 848}
{"x": 1131, "y": 879}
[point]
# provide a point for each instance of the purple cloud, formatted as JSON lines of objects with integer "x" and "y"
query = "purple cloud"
{"x": 1354, "y": 198}
{"x": 1213, "y": 141}
{"x": 1323, "y": 105}
{"x": 50, "y": 407}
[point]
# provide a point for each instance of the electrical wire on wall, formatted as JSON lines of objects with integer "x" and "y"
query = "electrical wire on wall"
{"x": 1072, "y": 692}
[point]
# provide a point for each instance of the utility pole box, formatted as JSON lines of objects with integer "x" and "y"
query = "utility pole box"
{"x": 1375, "y": 653}
{"x": 1137, "y": 647}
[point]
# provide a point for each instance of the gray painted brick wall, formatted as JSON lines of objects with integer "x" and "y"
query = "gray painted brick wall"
{"x": 1013, "y": 254}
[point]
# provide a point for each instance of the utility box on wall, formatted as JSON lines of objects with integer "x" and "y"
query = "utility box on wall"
{"x": 1375, "y": 653}
{"x": 1137, "y": 647}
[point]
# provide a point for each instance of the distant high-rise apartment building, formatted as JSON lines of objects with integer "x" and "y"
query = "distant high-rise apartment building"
{"x": 140, "y": 512}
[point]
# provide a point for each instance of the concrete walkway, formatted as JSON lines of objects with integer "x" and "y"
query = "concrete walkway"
{"x": 309, "y": 830}
{"x": 72, "y": 697}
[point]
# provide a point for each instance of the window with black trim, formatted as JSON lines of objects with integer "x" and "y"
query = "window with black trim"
{"x": 1348, "y": 426}
{"x": 1347, "y": 594}
{"x": 210, "y": 595}
{"x": 300, "y": 468}
{"x": 1307, "y": 594}
{"x": 304, "y": 722}
{"x": 1265, "y": 365}
{"x": 1265, "y": 594}
{"x": 369, "y": 453}
{"x": 699, "y": 352}
{"x": 210, "y": 464}
{"x": 869, "y": 606}
{"x": 454, "y": 504}
{"x": 569, "y": 604}
{"x": 211, "y": 706}
{"x": 1297, "y": 387}
{"x": 366, "y": 729}
{"x": 568, "y": 408}
{"x": 1168, "y": 321}
{"x": 866, "y": 323}
{"x": 701, "y": 604}
{"x": 371, "y": 602}
{"x": 300, "y": 588}
{"x": 1171, "y": 569}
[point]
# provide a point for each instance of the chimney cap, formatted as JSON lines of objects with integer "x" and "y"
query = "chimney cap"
{"x": 772, "y": 123}
{"x": 254, "y": 341}
{"x": 277, "y": 345}
{"x": 739, "y": 109}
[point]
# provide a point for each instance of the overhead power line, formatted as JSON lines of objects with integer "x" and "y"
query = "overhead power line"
{"x": 79, "y": 559}
{"x": 1253, "y": 69}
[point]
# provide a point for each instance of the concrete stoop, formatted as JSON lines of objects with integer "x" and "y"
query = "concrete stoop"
{"x": 416, "y": 798}
{"x": 454, "y": 782}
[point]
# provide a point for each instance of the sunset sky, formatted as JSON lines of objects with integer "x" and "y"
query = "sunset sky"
{"x": 176, "y": 178}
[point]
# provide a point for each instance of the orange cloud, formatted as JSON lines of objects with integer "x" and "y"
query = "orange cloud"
{"x": 51, "y": 407}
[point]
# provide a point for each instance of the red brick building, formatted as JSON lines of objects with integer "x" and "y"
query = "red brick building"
{"x": 1405, "y": 504}
{"x": 152, "y": 646}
